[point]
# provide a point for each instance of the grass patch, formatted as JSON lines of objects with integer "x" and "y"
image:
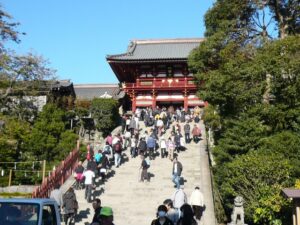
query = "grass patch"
{"x": 15, "y": 195}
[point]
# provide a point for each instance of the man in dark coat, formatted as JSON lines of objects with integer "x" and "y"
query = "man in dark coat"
{"x": 187, "y": 131}
{"x": 97, "y": 207}
{"x": 142, "y": 147}
{"x": 176, "y": 172}
{"x": 70, "y": 206}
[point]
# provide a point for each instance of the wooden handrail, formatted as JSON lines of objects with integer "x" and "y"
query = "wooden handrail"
{"x": 63, "y": 171}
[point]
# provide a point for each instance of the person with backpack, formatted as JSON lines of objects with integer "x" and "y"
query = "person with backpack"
{"x": 88, "y": 182}
{"x": 107, "y": 148}
{"x": 144, "y": 169}
{"x": 98, "y": 157}
{"x": 151, "y": 146}
{"x": 103, "y": 166}
{"x": 93, "y": 165}
{"x": 142, "y": 146}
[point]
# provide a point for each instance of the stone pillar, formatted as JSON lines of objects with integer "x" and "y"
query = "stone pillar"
{"x": 153, "y": 99}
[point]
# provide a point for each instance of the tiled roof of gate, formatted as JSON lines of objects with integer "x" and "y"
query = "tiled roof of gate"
{"x": 90, "y": 91}
{"x": 158, "y": 49}
{"x": 291, "y": 193}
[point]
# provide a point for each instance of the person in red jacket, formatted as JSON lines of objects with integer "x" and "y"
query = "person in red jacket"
{"x": 196, "y": 132}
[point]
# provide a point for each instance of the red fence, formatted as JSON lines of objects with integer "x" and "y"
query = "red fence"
{"x": 58, "y": 176}
{"x": 162, "y": 83}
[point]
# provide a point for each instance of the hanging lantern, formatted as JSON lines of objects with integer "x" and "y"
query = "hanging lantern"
{"x": 2, "y": 173}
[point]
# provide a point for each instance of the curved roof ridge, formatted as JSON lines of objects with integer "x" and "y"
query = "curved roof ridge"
{"x": 167, "y": 40}
{"x": 96, "y": 85}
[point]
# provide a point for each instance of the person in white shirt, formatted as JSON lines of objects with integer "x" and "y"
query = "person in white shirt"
{"x": 88, "y": 182}
{"x": 197, "y": 203}
{"x": 163, "y": 147}
{"x": 159, "y": 125}
{"x": 133, "y": 147}
{"x": 56, "y": 194}
{"x": 179, "y": 198}
{"x": 127, "y": 137}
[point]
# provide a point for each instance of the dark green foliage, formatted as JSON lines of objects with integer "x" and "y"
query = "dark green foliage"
{"x": 67, "y": 143}
{"x": 211, "y": 118}
{"x": 286, "y": 143}
{"x": 251, "y": 81}
{"x": 258, "y": 177}
{"x": 240, "y": 137}
{"x": 26, "y": 137}
{"x": 13, "y": 135}
{"x": 46, "y": 133}
{"x": 105, "y": 113}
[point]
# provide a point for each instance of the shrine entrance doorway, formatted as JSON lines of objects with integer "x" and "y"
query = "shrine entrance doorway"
{"x": 167, "y": 104}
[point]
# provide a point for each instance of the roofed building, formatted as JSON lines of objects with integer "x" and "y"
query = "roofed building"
{"x": 91, "y": 91}
{"x": 155, "y": 72}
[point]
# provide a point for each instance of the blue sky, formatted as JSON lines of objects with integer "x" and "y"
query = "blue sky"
{"x": 76, "y": 35}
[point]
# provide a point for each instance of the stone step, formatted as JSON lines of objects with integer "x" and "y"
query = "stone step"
{"x": 136, "y": 202}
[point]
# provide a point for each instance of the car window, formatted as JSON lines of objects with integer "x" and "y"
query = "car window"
{"x": 19, "y": 213}
{"x": 49, "y": 215}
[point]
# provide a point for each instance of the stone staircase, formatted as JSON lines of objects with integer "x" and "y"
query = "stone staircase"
{"x": 134, "y": 202}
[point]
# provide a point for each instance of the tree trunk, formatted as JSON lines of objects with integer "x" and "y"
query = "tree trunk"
{"x": 282, "y": 24}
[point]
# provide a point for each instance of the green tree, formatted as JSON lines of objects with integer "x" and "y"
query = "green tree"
{"x": 240, "y": 137}
{"x": 248, "y": 70}
{"x": 105, "y": 113}
{"x": 8, "y": 28}
{"x": 46, "y": 133}
{"x": 66, "y": 144}
{"x": 258, "y": 178}
{"x": 13, "y": 135}
{"x": 286, "y": 143}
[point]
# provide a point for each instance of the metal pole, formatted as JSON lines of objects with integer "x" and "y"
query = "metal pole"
{"x": 44, "y": 169}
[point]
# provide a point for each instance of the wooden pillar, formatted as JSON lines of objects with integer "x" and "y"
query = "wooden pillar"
{"x": 153, "y": 99}
{"x": 297, "y": 212}
{"x": 185, "y": 101}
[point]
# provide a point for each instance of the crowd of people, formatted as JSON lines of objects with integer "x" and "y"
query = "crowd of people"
{"x": 148, "y": 144}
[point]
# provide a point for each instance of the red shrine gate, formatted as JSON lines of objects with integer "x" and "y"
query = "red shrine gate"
{"x": 155, "y": 73}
